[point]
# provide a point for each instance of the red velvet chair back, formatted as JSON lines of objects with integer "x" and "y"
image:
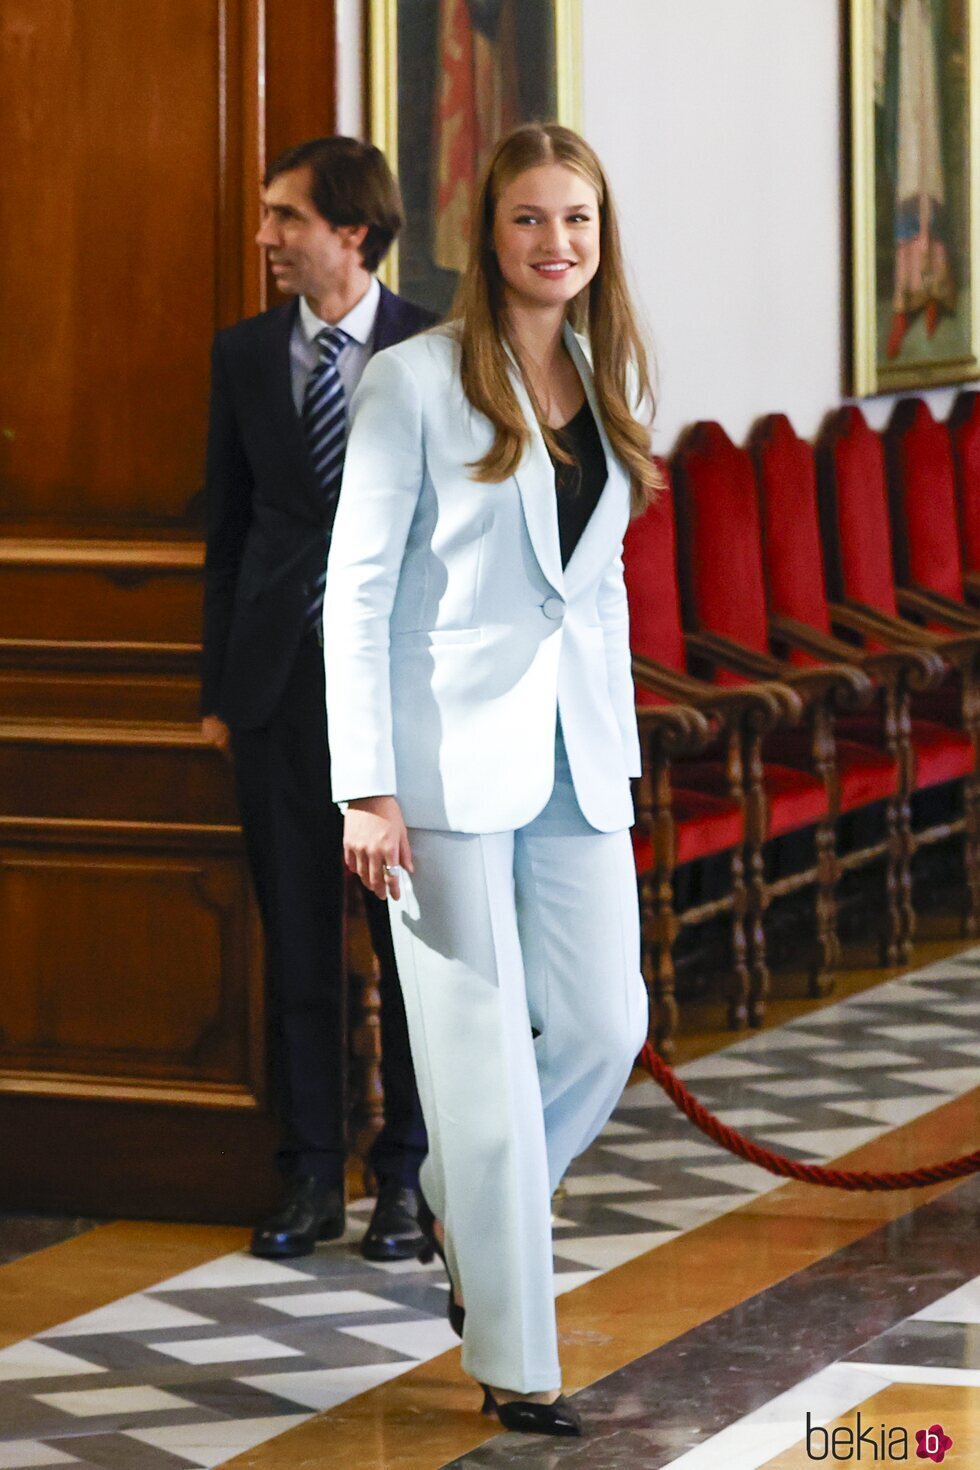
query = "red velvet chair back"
{"x": 922, "y": 487}
{"x": 793, "y": 556}
{"x": 964, "y": 432}
{"x": 722, "y": 579}
{"x": 854, "y": 512}
{"x": 650, "y": 562}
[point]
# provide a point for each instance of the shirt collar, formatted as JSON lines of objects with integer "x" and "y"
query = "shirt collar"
{"x": 358, "y": 323}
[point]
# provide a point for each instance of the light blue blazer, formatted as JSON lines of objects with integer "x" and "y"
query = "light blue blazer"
{"x": 452, "y": 636}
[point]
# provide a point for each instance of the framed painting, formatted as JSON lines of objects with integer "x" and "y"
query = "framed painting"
{"x": 915, "y": 240}
{"x": 447, "y": 78}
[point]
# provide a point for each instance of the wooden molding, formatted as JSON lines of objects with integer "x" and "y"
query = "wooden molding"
{"x": 40, "y": 1084}
{"x": 142, "y": 556}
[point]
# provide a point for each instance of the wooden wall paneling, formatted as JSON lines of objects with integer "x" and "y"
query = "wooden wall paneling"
{"x": 247, "y": 70}
{"x": 139, "y": 1160}
{"x": 142, "y": 593}
{"x": 107, "y": 218}
{"x": 132, "y": 1058}
{"x": 300, "y": 100}
{"x": 146, "y": 976}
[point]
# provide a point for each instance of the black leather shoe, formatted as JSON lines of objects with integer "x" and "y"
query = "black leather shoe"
{"x": 526, "y": 1417}
{"x": 394, "y": 1233}
{"x": 312, "y": 1211}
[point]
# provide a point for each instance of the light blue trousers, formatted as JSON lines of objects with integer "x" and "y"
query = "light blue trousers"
{"x": 495, "y": 935}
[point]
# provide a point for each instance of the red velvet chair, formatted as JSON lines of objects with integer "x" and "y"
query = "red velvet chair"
{"x": 964, "y": 433}
{"x": 944, "y": 734}
{"x": 925, "y": 519}
{"x": 803, "y": 623}
{"x": 809, "y": 776}
{"x": 715, "y": 805}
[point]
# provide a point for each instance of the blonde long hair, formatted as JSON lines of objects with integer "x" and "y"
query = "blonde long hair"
{"x": 603, "y": 309}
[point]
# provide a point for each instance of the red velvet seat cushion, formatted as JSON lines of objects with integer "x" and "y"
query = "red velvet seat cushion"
{"x": 865, "y": 771}
{"x": 866, "y": 774}
{"x": 796, "y": 799}
{"x": 704, "y": 824}
{"x": 941, "y": 754}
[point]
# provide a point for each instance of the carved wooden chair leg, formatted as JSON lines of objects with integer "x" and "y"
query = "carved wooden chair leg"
{"x": 757, "y": 901}
{"x": 893, "y": 929}
{"x": 971, "y": 855}
{"x": 659, "y": 929}
{"x": 906, "y": 902}
{"x": 828, "y": 944}
{"x": 740, "y": 979}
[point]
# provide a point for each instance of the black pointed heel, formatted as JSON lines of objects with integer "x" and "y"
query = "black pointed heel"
{"x": 432, "y": 1248}
{"x": 525, "y": 1417}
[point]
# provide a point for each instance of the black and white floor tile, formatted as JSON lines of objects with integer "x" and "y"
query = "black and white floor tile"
{"x": 209, "y": 1364}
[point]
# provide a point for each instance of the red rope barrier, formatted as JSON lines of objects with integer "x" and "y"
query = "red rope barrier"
{"x": 736, "y": 1143}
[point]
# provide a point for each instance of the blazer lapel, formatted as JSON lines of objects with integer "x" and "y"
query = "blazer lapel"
{"x": 277, "y": 372}
{"x": 535, "y": 478}
{"x": 386, "y": 333}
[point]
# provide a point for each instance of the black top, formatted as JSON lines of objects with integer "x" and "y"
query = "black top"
{"x": 578, "y": 485}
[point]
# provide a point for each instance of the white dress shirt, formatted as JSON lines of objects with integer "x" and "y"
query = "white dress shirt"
{"x": 353, "y": 358}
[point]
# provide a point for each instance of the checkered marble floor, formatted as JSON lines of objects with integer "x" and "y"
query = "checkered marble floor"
{"x": 937, "y": 1347}
{"x": 206, "y": 1365}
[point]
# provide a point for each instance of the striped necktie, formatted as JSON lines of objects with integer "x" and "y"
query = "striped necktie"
{"x": 325, "y": 414}
{"x": 325, "y": 425}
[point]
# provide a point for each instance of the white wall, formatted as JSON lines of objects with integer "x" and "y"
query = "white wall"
{"x": 351, "y": 69}
{"x": 718, "y": 122}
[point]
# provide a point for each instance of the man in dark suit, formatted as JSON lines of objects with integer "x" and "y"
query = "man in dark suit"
{"x": 281, "y": 384}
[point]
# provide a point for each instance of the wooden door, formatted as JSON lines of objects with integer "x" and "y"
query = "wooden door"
{"x": 131, "y": 1025}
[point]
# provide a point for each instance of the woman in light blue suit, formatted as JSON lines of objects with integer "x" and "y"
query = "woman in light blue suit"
{"x": 483, "y": 733}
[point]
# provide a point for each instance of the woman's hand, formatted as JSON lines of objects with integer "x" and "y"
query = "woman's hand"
{"x": 216, "y": 733}
{"x": 376, "y": 838}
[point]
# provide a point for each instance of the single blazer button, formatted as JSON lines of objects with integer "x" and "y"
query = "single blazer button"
{"x": 553, "y": 608}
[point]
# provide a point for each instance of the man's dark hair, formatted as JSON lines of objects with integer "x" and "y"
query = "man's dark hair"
{"x": 352, "y": 185}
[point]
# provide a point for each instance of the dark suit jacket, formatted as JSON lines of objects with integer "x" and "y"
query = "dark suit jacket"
{"x": 268, "y": 526}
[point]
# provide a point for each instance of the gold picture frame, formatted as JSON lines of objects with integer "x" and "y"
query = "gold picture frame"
{"x": 537, "y": 63}
{"x": 915, "y": 193}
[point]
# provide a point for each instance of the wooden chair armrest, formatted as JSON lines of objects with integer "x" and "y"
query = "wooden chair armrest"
{"x": 869, "y": 622}
{"x": 813, "y": 641}
{"x": 842, "y": 684}
{"x": 918, "y": 669}
{"x": 764, "y": 705}
{"x": 936, "y": 608}
{"x": 912, "y": 668}
{"x": 724, "y": 653}
{"x": 971, "y": 585}
{"x": 846, "y": 687}
{"x": 672, "y": 683}
{"x": 673, "y": 729}
{"x": 961, "y": 647}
